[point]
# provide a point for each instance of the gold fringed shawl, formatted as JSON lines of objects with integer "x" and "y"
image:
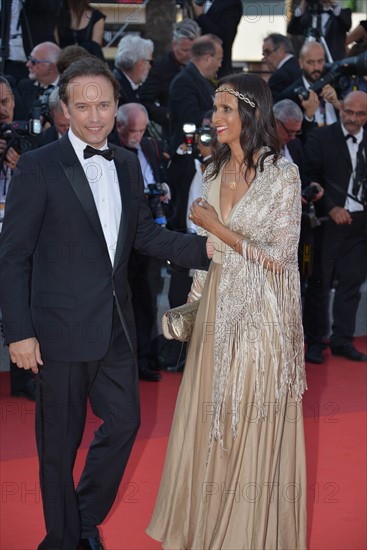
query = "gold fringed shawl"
{"x": 257, "y": 307}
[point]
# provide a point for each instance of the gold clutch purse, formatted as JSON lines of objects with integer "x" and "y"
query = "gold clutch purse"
{"x": 178, "y": 323}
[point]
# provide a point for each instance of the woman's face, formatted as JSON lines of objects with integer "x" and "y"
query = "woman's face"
{"x": 226, "y": 118}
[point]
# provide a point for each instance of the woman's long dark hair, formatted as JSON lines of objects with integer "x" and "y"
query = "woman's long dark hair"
{"x": 78, "y": 7}
{"x": 258, "y": 125}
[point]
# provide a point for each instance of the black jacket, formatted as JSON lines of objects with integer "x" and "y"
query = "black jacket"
{"x": 222, "y": 19}
{"x": 335, "y": 32}
{"x": 283, "y": 77}
{"x": 190, "y": 97}
{"x": 327, "y": 161}
{"x": 52, "y": 230}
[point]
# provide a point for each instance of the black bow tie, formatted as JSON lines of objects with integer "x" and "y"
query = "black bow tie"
{"x": 89, "y": 152}
{"x": 350, "y": 136}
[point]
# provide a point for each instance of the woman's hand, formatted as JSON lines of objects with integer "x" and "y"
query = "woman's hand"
{"x": 204, "y": 215}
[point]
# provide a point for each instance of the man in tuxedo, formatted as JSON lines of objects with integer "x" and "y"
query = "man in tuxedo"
{"x": 191, "y": 92}
{"x": 220, "y": 17}
{"x": 278, "y": 56}
{"x": 133, "y": 60}
{"x": 336, "y": 158}
{"x": 75, "y": 209}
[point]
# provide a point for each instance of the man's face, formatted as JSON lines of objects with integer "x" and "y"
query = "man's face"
{"x": 132, "y": 134}
{"x": 182, "y": 50}
{"x": 7, "y": 104}
{"x": 354, "y": 112}
{"x": 272, "y": 55}
{"x": 313, "y": 62}
{"x": 91, "y": 108}
{"x": 142, "y": 69}
{"x": 39, "y": 66}
{"x": 214, "y": 62}
{"x": 287, "y": 131}
{"x": 61, "y": 123}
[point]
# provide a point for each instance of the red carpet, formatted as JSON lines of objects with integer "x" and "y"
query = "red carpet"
{"x": 335, "y": 424}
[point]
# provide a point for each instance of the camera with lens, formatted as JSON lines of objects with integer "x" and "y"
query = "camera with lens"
{"x": 18, "y": 134}
{"x": 309, "y": 213}
{"x": 42, "y": 103}
{"x": 154, "y": 192}
{"x": 356, "y": 65}
{"x": 204, "y": 135}
{"x": 189, "y": 130}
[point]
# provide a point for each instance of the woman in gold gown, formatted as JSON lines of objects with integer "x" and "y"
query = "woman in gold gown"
{"x": 234, "y": 476}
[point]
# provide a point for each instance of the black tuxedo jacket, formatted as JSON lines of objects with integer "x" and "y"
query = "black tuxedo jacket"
{"x": 127, "y": 94}
{"x": 52, "y": 236}
{"x": 49, "y": 135}
{"x": 190, "y": 96}
{"x": 335, "y": 32}
{"x": 328, "y": 162}
{"x": 222, "y": 19}
{"x": 283, "y": 77}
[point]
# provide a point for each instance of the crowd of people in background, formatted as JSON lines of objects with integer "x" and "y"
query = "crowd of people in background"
{"x": 175, "y": 88}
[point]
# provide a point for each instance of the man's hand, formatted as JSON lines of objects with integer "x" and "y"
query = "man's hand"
{"x": 340, "y": 216}
{"x": 11, "y": 158}
{"x": 318, "y": 195}
{"x": 329, "y": 94}
{"x": 311, "y": 104}
{"x": 26, "y": 354}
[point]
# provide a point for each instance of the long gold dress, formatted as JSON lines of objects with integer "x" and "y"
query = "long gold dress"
{"x": 235, "y": 475}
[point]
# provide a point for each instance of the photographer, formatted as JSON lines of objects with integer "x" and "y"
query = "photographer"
{"x": 144, "y": 272}
{"x": 22, "y": 383}
{"x": 319, "y": 108}
{"x": 43, "y": 77}
{"x": 333, "y": 22}
{"x": 336, "y": 158}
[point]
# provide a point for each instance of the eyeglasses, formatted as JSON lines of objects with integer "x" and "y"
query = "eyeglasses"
{"x": 150, "y": 61}
{"x": 34, "y": 61}
{"x": 289, "y": 132}
{"x": 266, "y": 53}
{"x": 358, "y": 114}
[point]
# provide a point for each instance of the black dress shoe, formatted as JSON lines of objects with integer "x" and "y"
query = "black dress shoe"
{"x": 28, "y": 391}
{"x": 93, "y": 543}
{"x": 315, "y": 354}
{"x": 149, "y": 375}
{"x": 349, "y": 351}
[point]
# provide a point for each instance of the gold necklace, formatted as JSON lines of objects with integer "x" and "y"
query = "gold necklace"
{"x": 233, "y": 184}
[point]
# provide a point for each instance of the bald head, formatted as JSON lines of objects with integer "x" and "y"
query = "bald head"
{"x": 132, "y": 120}
{"x": 42, "y": 63}
{"x": 312, "y": 61}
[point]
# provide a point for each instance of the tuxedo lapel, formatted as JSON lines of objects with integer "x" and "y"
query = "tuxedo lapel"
{"x": 341, "y": 144}
{"x": 78, "y": 181}
{"x": 125, "y": 191}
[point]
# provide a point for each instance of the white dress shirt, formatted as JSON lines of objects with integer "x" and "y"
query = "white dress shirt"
{"x": 102, "y": 178}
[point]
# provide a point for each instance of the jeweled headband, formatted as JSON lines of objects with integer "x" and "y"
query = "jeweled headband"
{"x": 237, "y": 94}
